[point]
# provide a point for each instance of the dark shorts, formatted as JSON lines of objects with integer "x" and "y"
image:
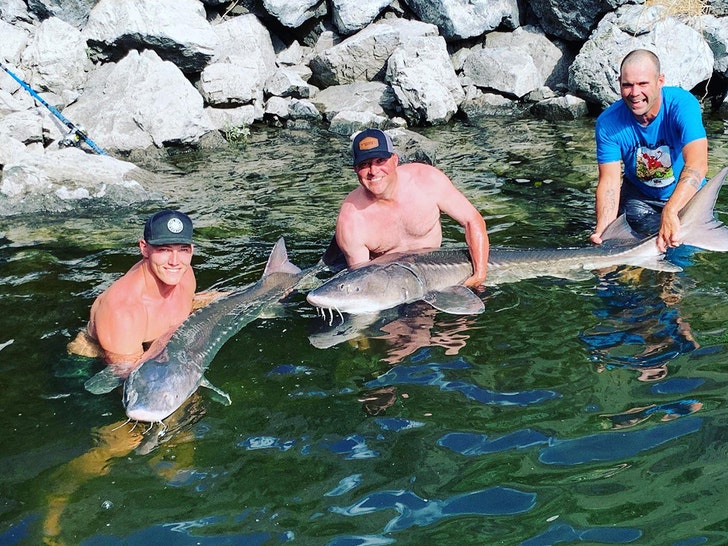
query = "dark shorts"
{"x": 643, "y": 214}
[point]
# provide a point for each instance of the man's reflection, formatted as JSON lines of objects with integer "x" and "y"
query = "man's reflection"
{"x": 640, "y": 327}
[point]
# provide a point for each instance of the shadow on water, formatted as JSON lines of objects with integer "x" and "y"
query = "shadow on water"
{"x": 590, "y": 412}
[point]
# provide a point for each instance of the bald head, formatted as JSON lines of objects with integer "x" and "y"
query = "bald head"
{"x": 643, "y": 58}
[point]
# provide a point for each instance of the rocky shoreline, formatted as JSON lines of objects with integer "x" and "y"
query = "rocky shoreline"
{"x": 144, "y": 75}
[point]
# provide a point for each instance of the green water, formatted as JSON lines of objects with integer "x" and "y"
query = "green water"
{"x": 569, "y": 412}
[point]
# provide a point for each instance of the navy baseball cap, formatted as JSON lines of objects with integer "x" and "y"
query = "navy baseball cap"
{"x": 168, "y": 227}
{"x": 371, "y": 143}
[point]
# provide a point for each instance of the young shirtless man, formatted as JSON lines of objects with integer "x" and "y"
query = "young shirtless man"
{"x": 153, "y": 298}
{"x": 397, "y": 208}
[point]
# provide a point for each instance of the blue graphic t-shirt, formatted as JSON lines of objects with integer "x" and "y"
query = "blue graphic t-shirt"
{"x": 652, "y": 155}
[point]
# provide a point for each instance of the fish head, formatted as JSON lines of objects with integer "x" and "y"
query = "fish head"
{"x": 149, "y": 400}
{"x": 368, "y": 289}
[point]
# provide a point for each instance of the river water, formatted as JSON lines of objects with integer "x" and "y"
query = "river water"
{"x": 590, "y": 412}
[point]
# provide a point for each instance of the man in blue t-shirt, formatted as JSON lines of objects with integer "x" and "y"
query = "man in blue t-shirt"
{"x": 658, "y": 133}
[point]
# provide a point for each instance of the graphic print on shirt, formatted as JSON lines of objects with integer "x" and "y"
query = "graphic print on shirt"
{"x": 654, "y": 166}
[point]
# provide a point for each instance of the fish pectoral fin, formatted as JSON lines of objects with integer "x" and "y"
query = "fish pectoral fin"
{"x": 222, "y": 396}
{"x": 103, "y": 382}
{"x": 656, "y": 263}
{"x": 577, "y": 275}
{"x": 456, "y": 300}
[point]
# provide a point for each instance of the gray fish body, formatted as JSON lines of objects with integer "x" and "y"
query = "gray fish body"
{"x": 434, "y": 276}
{"x": 160, "y": 385}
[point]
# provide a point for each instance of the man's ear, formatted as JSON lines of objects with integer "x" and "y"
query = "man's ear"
{"x": 144, "y": 248}
{"x": 396, "y": 159}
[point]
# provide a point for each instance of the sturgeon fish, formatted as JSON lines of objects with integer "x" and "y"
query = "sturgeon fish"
{"x": 160, "y": 385}
{"x": 435, "y": 276}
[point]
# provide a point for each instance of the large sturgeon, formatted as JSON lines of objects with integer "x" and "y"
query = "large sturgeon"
{"x": 160, "y": 385}
{"x": 435, "y": 276}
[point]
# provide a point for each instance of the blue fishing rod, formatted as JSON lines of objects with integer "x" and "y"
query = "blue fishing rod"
{"x": 76, "y": 131}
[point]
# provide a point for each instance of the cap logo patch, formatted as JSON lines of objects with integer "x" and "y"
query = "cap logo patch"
{"x": 175, "y": 225}
{"x": 368, "y": 143}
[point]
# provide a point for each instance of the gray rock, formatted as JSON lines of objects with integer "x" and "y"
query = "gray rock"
{"x": 176, "y": 29}
{"x": 15, "y": 11}
{"x": 277, "y": 107}
{"x": 233, "y": 82}
{"x": 14, "y": 41}
{"x": 56, "y": 57}
{"x": 376, "y": 98}
{"x": 73, "y": 12}
{"x": 301, "y": 109}
{"x": 350, "y": 16}
{"x": 490, "y": 104}
{"x": 715, "y": 32}
{"x": 550, "y": 57}
{"x": 67, "y": 178}
{"x": 25, "y": 126}
{"x": 286, "y": 82}
{"x": 362, "y": 57}
{"x": 245, "y": 36}
{"x": 595, "y": 71}
{"x": 572, "y": 20}
{"x": 509, "y": 70}
{"x": 461, "y": 19}
{"x": 564, "y": 108}
{"x": 424, "y": 80}
{"x": 139, "y": 102}
{"x": 348, "y": 122}
{"x": 227, "y": 119}
{"x": 294, "y": 13}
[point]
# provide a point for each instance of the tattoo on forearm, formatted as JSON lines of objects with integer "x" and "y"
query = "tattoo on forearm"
{"x": 691, "y": 177}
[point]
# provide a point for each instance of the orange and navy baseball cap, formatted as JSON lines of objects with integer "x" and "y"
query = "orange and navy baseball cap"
{"x": 371, "y": 143}
{"x": 168, "y": 227}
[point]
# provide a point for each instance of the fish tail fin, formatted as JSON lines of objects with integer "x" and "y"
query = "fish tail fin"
{"x": 698, "y": 225}
{"x": 278, "y": 260}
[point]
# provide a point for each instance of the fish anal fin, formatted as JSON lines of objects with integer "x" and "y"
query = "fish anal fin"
{"x": 222, "y": 396}
{"x": 456, "y": 300}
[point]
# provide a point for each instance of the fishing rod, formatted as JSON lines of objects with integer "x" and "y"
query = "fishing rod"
{"x": 76, "y": 131}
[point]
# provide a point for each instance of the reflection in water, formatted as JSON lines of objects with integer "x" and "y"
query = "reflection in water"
{"x": 639, "y": 329}
{"x": 402, "y": 330}
{"x": 119, "y": 440}
{"x": 416, "y": 511}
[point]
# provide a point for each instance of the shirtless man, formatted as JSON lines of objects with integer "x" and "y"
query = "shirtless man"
{"x": 397, "y": 208}
{"x": 153, "y": 298}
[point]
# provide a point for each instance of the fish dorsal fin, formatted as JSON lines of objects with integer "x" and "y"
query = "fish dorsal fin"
{"x": 278, "y": 260}
{"x": 456, "y": 300}
{"x": 619, "y": 232}
{"x": 698, "y": 225}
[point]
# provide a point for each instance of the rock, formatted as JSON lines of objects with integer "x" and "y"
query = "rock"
{"x": 551, "y": 58}
{"x": 348, "y": 122}
{"x": 294, "y": 13}
{"x": 489, "y": 104}
{"x": 458, "y": 19}
{"x": 376, "y": 98}
{"x": 595, "y": 71}
{"x": 55, "y": 58}
{"x": 25, "y": 126}
{"x": 715, "y": 32}
{"x": 286, "y": 82}
{"x": 64, "y": 179}
{"x": 571, "y": 20}
{"x": 424, "y": 81}
{"x": 560, "y": 108}
{"x": 73, "y": 12}
{"x": 350, "y": 16}
{"x": 140, "y": 101}
{"x": 234, "y": 82}
{"x": 13, "y": 43}
{"x": 509, "y": 70}
{"x": 176, "y": 29}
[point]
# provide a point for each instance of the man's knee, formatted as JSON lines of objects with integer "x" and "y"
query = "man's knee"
{"x": 642, "y": 217}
